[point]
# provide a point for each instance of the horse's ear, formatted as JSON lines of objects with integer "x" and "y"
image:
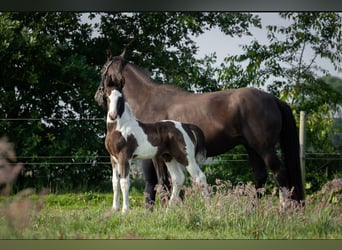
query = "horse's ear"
{"x": 109, "y": 54}
{"x": 122, "y": 55}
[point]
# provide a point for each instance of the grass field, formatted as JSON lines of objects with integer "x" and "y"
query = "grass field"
{"x": 234, "y": 214}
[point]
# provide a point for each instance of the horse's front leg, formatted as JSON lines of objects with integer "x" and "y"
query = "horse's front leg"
{"x": 115, "y": 183}
{"x": 124, "y": 183}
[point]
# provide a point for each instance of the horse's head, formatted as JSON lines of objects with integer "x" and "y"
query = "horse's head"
{"x": 111, "y": 74}
{"x": 115, "y": 103}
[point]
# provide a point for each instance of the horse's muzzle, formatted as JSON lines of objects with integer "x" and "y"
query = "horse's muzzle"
{"x": 112, "y": 115}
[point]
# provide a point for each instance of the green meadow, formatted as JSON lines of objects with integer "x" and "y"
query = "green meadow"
{"x": 234, "y": 213}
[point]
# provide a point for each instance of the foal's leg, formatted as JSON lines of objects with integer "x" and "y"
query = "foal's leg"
{"x": 115, "y": 183}
{"x": 177, "y": 179}
{"x": 124, "y": 165}
{"x": 124, "y": 184}
{"x": 199, "y": 177}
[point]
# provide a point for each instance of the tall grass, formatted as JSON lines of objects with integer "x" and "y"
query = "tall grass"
{"x": 234, "y": 213}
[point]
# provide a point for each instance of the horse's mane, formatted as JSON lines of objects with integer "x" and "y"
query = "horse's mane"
{"x": 146, "y": 75}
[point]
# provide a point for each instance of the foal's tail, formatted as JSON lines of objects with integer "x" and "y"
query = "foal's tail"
{"x": 289, "y": 144}
{"x": 200, "y": 151}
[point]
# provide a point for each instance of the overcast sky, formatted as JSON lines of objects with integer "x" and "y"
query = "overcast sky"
{"x": 223, "y": 45}
{"x": 216, "y": 41}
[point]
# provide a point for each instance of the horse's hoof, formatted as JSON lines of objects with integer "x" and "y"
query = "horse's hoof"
{"x": 125, "y": 210}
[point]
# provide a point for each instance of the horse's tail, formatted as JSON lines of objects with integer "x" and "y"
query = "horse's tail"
{"x": 200, "y": 149}
{"x": 289, "y": 143}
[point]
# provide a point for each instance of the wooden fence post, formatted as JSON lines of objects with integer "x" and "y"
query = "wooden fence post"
{"x": 302, "y": 145}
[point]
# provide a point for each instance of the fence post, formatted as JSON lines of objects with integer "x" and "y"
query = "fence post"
{"x": 302, "y": 145}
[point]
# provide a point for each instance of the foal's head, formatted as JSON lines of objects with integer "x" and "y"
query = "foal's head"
{"x": 115, "y": 104}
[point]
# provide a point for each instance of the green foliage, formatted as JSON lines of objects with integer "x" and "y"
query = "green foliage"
{"x": 288, "y": 68}
{"x": 291, "y": 55}
{"x": 233, "y": 167}
{"x": 50, "y": 70}
{"x": 162, "y": 42}
{"x": 47, "y": 79}
{"x": 334, "y": 82}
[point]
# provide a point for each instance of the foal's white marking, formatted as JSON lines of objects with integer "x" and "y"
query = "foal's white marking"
{"x": 123, "y": 184}
{"x": 177, "y": 179}
{"x": 127, "y": 124}
{"x": 193, "y": 168}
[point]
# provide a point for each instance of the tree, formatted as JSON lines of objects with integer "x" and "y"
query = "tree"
{"x": 50, "y": 66}
{"x": 50, "y": 71}
{"x": 47, "y": 80}
{"x": 163, "y": 42}
{"x": 288, "y": 68}
{"x": 290, "y": 58}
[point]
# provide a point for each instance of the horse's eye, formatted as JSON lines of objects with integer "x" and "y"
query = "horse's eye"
{"x": 110, "y": 82}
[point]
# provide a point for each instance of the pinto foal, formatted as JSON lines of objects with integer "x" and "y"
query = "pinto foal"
{"x": 177, "y": 144}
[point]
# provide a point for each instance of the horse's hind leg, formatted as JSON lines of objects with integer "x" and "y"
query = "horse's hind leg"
{"x": 272, "y": 161}
{"x": 259, "y": 170}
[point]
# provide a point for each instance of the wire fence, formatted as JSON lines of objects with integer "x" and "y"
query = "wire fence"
{"x": 68, "y": 173}
{"x": 101, "y": 160}
{"x": 89, "y": 161}
{"x": 53, "y": 119}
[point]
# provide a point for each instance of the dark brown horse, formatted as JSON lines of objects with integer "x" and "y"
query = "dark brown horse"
{"x": 246, "y": 116}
